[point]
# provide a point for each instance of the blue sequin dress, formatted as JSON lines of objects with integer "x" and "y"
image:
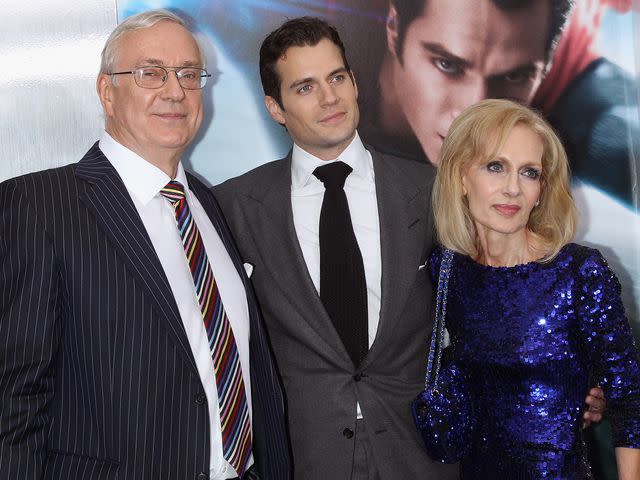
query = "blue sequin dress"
{"x": 531, "y": 340}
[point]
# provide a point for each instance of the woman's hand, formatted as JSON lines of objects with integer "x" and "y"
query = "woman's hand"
{"x": 597, "y": 404}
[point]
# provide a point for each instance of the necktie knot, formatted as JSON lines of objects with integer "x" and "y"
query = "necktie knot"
{"x": 333, "y": 175}
{"x": 173, "y": 191}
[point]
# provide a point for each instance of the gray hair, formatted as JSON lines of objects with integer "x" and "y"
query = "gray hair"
{"x": 137, "y": 22}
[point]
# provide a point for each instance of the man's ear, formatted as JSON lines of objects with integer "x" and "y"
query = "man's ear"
{"x": 104, "y": 87}
{"x": 392, "y": 29}
{"x": 274, "y": 109}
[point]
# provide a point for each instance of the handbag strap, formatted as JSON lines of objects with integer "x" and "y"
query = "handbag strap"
{"x": 437, "y": 336}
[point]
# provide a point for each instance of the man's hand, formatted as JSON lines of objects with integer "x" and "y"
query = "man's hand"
{"x": 597, "y": 404}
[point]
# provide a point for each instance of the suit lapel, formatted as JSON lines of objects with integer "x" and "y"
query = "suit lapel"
{"x": 107, "y": 198}
{"x": 270, "y": 218}
{"x": 403, "y": 216}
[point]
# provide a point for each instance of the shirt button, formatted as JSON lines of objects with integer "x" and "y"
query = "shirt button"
{"x": 202, "y": 476}
{"x": 348, "y": 433}
{"x": 199, "y": 399}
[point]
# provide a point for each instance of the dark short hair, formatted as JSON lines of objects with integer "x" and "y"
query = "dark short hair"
{"x": 409, "y": 10}
{"x": 297, "y": 32}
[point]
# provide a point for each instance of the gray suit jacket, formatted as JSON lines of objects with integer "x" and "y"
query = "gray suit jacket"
{"x": 321, "y": 384}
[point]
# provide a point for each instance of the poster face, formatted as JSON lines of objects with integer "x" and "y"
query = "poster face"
{"x": 418, "y": 65}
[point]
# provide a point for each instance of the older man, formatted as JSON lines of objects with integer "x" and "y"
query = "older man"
{"x": 132, "y": 347}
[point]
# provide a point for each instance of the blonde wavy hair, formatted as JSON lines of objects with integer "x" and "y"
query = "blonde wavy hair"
{"x": 479, "y": 134}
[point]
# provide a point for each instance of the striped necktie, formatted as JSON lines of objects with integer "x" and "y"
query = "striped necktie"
{"x": 232, "y": 399}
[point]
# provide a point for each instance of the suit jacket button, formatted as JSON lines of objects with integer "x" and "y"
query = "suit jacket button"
{"x": 347, "y": 432}
{"x": 202, "y": 476}
{"x": 199, "y": 399}
{"x": 357, "y": 377}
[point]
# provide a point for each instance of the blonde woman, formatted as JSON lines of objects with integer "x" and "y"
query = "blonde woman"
{"x": 533, "y": 319}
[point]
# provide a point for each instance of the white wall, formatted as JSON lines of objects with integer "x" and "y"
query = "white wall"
{"x": 49, "y": 59}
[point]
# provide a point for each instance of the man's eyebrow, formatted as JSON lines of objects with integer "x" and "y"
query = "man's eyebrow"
{"x": 440, "y": 50}
{"x": 151, "y": 61}
{"x": 160, "y": 63}
{"x": 190, "y": 63}
{"x": 302, "y": 81}
{"x": 338, "y": 70}
{"x": 526, "y": 68}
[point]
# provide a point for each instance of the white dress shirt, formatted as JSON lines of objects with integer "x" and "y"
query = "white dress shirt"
{"x": 307, "y": 193}
{"x": 144, "y": 182}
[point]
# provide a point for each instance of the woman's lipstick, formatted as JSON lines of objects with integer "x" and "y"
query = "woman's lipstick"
{"x": 507, "y": 209}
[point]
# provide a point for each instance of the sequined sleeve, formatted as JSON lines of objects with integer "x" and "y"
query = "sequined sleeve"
{"x": 609, "y": 342}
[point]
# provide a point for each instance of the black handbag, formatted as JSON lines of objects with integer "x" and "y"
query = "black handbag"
{"x": 443, "y": 412}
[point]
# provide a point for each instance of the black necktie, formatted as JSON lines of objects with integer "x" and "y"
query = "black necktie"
{"x": 343, "y": 287}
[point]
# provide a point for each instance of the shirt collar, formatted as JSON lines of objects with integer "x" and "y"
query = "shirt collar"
{"x": 355, "y": 155}
{"x": 142, "y": 179}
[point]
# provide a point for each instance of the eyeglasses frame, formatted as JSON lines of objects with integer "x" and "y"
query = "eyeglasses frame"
{"x": 175, "y": 70}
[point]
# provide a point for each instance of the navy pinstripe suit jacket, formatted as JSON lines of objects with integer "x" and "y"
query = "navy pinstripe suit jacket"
{"x": 97, "y": 379}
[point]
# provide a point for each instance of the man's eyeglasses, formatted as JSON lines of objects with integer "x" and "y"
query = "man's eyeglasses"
{"x": 189, "y": 78}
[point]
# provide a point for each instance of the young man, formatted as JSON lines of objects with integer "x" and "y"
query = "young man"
{"x": 348, "y": 394}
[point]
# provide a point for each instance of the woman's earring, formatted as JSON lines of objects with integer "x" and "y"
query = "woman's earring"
{"x": 537, "y": 203}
